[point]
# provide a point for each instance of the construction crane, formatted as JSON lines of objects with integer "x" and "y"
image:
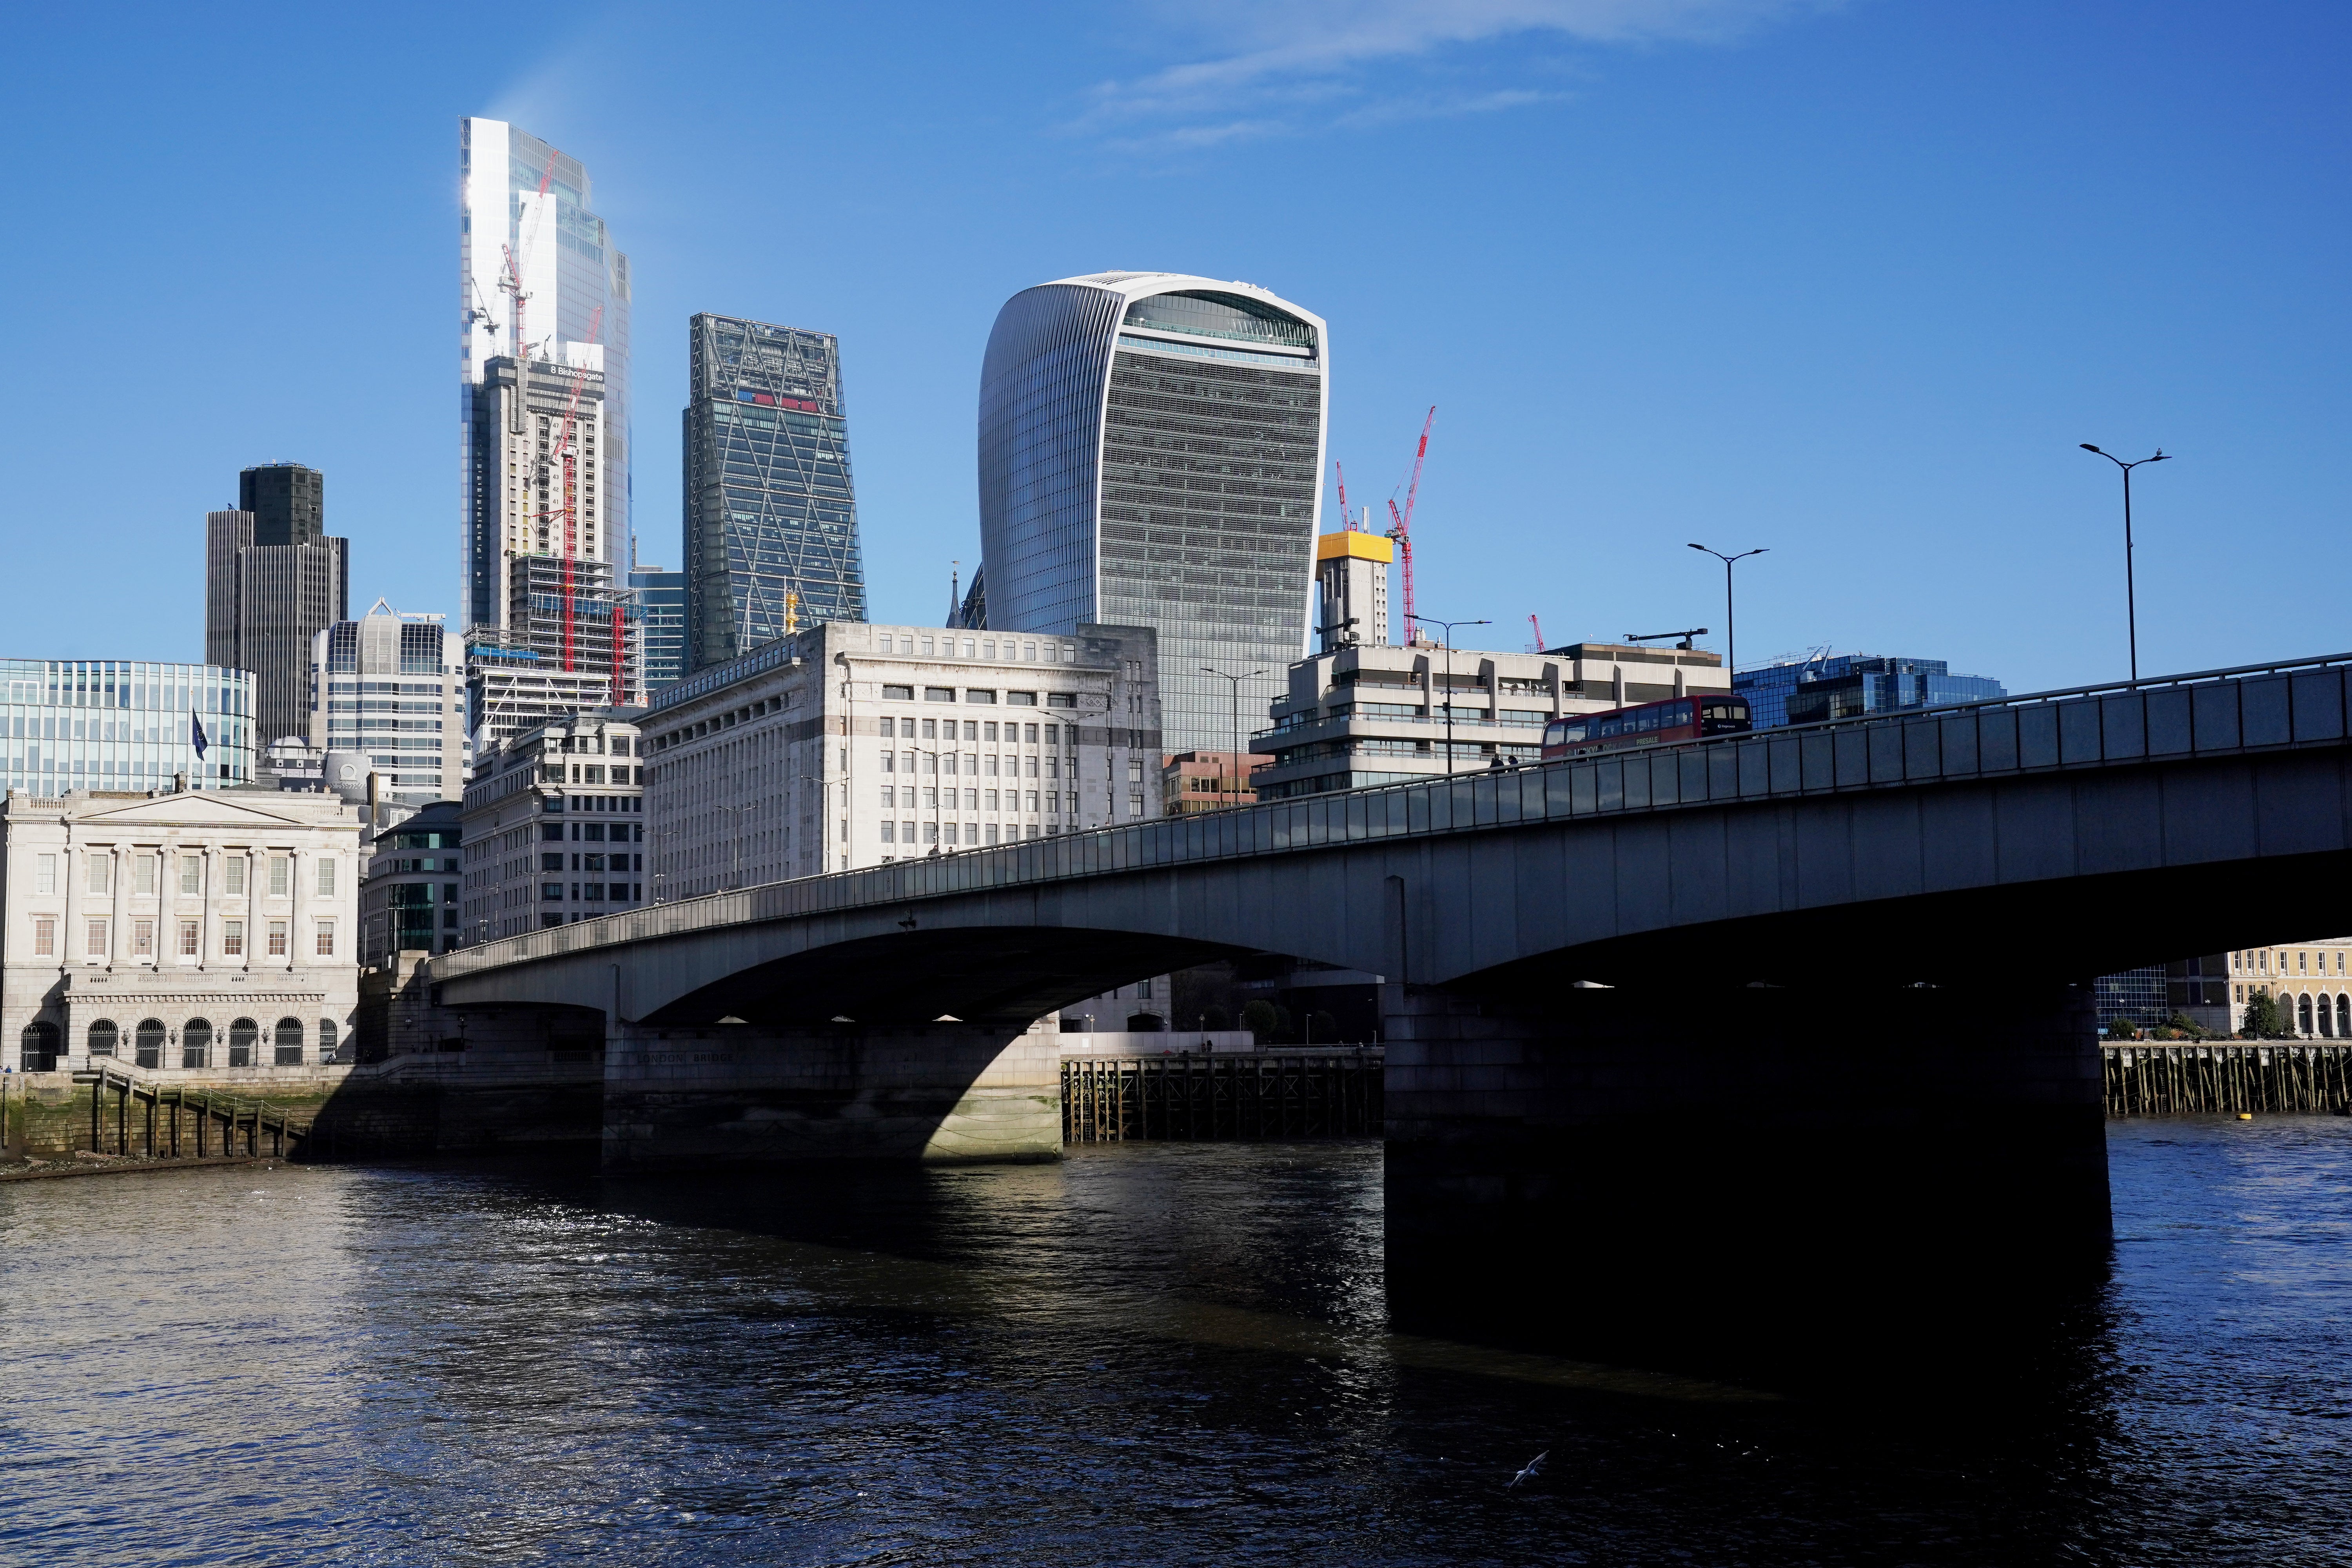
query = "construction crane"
{"x": 571, "y": 502}
{"x": 512, "y": 282}
{"x": 1637, "y": 639}
{"x": 1402, "y": 530}
{"x": 1536, "y": 626}
{"x": 1347, "y": 518}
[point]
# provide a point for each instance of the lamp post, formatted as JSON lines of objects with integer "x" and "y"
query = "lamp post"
{"x": 935, "y": 797}
{"x": 1235, "y": 680}
{"x": 1449, "y": 625}
{"x": 737, "y": 812}
{"x": 2131, "y": 607}
{"x": 1730, "y": 639}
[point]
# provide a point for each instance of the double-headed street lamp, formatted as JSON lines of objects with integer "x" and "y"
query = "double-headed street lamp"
{"x": 2131, "y": 607}
{"x": 1730, "y": 643}
{"x": 1236, "y": 682}
{"x": 1449, "y": 625}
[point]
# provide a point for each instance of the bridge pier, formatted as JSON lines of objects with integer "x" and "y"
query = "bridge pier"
{"x": 719, "y": 1094}
{"x": 1749, "y": 1181}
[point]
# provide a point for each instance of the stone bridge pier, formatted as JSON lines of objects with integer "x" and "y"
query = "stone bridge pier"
{"x": 738, "y": 1094}
{"x": 1778, "y": 1175}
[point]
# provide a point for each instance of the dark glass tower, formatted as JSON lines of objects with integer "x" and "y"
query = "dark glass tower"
{"x": 289, "y": 503}
{"x": 274, "y": 579}
{"x": 771, "y": 517}
{"x": 1150, "y": 453}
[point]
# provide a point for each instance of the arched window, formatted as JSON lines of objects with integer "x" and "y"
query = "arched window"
{"x": 244, "y": 1032}
{"x": 149, "y": 1042}
{"x": 2344, "y": 1018}
{"x": 326, "y": 1039}
{"x": 196, "y": 1043}
{"x": 36, "y": 1048}
{"x": 290, "y": 1043}
{"x": 2303, "y": 1009}
{"x": 2327, "y": 1018}
{"x": 102, "y": 1036}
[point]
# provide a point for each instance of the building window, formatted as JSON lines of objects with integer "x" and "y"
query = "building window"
{"x": 192, "y": 873}
{"x": 233, "y": 936}
{"x": 44, "y": 874}
{"x": 142, "y": 874}
{"x": 326, "y": 939}
{"x": 242, "y": 1035}
{"x": 327, "y": 878}
{"x": 45, "y": 936}
{"x": 147, "y": 1044}
{"x": 280, "y": 876}
{"x": 101, "y": 872}
{"x": 889, "y": 730}
{"x": 287, "y": 1043}
{"x": 898, "y": 694}
{"x": 326, "y": 1039}
{"x": 550, "y": 892}
{"x": 939, "y": 694}
{"x": 1135, "y": 806}
{"x": 196, "y": 1043}
{"x": 930, "y": 833}
{"x": 277, "y": 938}
{"x": 191, "y": 934}
{"x": 232, "y": 874}
{"x": 143, "y": 938}
{"x": 889, "y": 829}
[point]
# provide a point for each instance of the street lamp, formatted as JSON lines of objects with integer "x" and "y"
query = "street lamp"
{"x": 737, "y": 812}
{"x": 1236, "y": 754}
{"x": 1449, "y": 626}
{"x": 2131, "y": 607}
{"x": 935, "y": 757}
{"x": 1731, "y": 642}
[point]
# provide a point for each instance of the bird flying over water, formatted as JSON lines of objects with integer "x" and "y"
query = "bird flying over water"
{"x": 1534, "y": 1469}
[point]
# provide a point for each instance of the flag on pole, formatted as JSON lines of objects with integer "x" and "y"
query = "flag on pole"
{"x": 203, "y": 744}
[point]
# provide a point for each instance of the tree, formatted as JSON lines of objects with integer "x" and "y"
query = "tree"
{"x": 2264, "y": 1019}
{"x": 1261, "y": 1018}
{"x": 1215, "y": 1017}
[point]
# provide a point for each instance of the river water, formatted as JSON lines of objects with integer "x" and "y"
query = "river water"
{"x": 1146, "y": 1354}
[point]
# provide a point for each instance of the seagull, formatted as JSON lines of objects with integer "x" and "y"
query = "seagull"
{"x": 1534, "y": 1469}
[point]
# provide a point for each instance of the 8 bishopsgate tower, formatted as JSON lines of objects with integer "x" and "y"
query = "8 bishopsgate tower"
{"x": 771, "y": 516}
{"x": 1151, "y": 454}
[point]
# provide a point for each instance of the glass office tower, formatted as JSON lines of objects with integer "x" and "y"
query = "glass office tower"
{"x": 661, "y": 597}
{"x": 121, "y": 724}
{"x": 543, "y": 295}
{"x": 771, "y": 515}
{"x": 1151, "y": 454}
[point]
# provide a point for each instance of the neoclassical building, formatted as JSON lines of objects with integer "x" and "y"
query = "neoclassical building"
{"x": 177, "y": 931}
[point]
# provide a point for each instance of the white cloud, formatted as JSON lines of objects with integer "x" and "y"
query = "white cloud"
{"x": 1279, "y": 56}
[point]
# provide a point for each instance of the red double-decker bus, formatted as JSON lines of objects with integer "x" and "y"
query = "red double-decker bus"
{"x": 1647, "y": 724}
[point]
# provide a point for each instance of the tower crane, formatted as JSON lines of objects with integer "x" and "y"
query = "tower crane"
{"x": 1536, "y": 626}
{"x": 512, "y": 282}
{"x": 1403, "y": 530}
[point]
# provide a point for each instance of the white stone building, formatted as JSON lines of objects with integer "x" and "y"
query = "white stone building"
{"x": 850, "y": 745}
{"x": 191, "y": 931}
{"x": 554, "y": 828}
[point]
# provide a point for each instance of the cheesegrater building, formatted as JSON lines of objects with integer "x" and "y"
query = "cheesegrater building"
{"x": 1151, "y": 454}
{"x": 771, "y": 517}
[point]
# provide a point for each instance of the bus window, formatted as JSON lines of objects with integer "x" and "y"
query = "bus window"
{"x": 1554, "y": 732}
{"x": 1576, "y": 732}
{"x": 1647, "y": 719}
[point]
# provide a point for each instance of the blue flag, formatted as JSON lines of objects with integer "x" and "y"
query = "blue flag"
{"x": 201, "y": 744}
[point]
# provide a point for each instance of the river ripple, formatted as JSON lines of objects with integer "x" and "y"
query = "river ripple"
{"x": 1147, "y": 1354}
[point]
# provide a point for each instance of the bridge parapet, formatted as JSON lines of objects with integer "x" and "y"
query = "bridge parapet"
{"x": 2208, "y": 713}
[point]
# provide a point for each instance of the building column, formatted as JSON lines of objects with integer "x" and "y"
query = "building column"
{"x": 118, "y": 877}
{"x": 70, "y": 946}
{"x": 207, "y": 931}
{"x": 297, "y": 869}
{"x": 255, "y": 930}
{"x": 167, "y": 896}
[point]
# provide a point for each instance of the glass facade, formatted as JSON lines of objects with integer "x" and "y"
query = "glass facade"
{"x": 661, "y": 619}
{"x": 389, "y": 686}
{"x": 98, "y": 724}
{"x": 2134, "y": 997}
{"x": 1850, "y": 685}
{"x": 1150, "y": 449}
{"x": 771, "y": 514}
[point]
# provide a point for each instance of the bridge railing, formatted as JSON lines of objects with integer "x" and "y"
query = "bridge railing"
{"x": 2208, "y": 713}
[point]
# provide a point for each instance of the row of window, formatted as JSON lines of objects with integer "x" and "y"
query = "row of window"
{"x": 973, "y": 730}
{"x": 972, "y": 836}
{"x": 973, "y": 765}
{"x": 982, "y": 648}
{"x": 594, "y": 893}
{"x": 146, "y": 868}
{"x": 985, "y": 696}
{"x": 42, "y": 1043}
{"x": 894, "y": 799}
{"x": 2258, "y": 961}
{"x": 98, "y": 938}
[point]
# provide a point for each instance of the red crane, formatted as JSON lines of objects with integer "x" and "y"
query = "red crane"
{"x": 1346, "y": 519}
{"x": 1536, "y": 626}
{"x": 572, "y": 503}
{"x": 1402, "y": 530}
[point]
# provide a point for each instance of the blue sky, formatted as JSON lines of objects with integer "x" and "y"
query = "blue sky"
{"x": 1846, "y": 280}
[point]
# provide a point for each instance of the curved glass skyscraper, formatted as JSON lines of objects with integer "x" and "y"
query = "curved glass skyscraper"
{"x": 1151, "y": 454}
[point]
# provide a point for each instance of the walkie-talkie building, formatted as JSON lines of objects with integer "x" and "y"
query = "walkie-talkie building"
{"x": 771, "y": 514}
{"x": 1151, "y": 454}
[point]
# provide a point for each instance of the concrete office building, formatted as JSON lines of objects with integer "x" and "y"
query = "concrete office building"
{"x": 546, "y": 820}
{"x": 273, "y": 580}
{"x": 543, "y": 293}
{"x": 1351, "y": 588}
{"x": 176, "y": 930}
{"x": 124, "y": 724}
{"x": 1195, "y": 782}
{"x": 1151, "y": 451}
{"x": 408, "y": 892}
{"x": 390, "y": 687}
{"x": 771, "y": 514}
{"x": 849, "y": 745}
{"x": 1365, "y": 714}
{"x": 660, "y": 599}
{"x": 1850, "y": 685}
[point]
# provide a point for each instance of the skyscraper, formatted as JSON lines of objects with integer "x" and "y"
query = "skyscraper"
{"x": 544, "y": 398}
{"x": 1150, "y": 452}
{"x": 771, "y": 516}
{"x": 660, "y": 598}
{"x": 390, "y": 685}
{"x": 273, "y": 580}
